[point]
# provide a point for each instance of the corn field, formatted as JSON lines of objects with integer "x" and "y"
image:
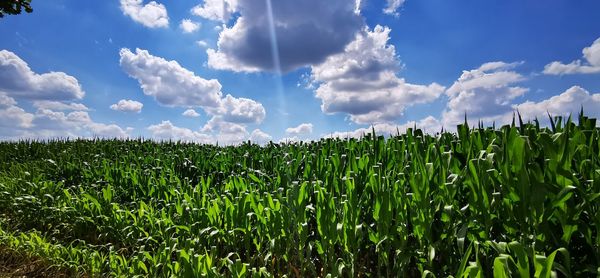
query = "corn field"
{"x": 516, "y": 201}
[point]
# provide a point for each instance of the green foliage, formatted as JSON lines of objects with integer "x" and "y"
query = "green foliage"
{"x": 515, "y": 201}
{"x": 14, "y": 7}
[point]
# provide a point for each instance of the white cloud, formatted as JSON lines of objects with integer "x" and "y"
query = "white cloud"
{"x": 490, "y": 75}
{"x": 17, "y": 80}
{"x": 189, "y": 26}
{"x": 306, "y": 33}
{"x": 568, "y": 102}
{"x": 231, "y": 134}
{"x": 172, "y": 85}
{"x": 168, "y": 82}
{"x": 483, "y": 94}
{"x": 60, "y": 106}
{"x": 591, "y": 54}
{"x": 217, "y": 10}
{"x": 13, "y": 116}
{"x": 488, "y": 93}
{"x": 302, "y": 129}
{"x": 288, "y": 140}
{"x": 46, "y": 123}
{"x": 393, "y": 6}
{"x": 202, "y": 43}
{"x": 126, "y": 105}
{"x": 260, "y": 137}
{"x": 167, "y": 131}
{"x": 49, "y": 93}
{"x": 6, "y": 101}
{"x": 429, "y": 124}
{"x": 239, "y": 110}
{"x": 222, "y": 61}
{"x": 151, "y": 15}
{"x": 190, "y": 113}
{"x": 362, "y": 81}
{"x": 228, "y": 133}
{"x": 107, "y": 130}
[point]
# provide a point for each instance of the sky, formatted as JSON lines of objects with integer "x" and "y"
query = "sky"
{"x": 228, "y": 71}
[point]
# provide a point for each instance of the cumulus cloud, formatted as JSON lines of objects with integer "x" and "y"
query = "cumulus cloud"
{"x": 591, "y": 63}
{"x": 429, "y": 124}
{"x": 151, "y": 15}
{"x": 306, "y": 33}
{"x": 172, "y": 85}
{"x": 59, "y": 106}
{"x": 107, "y": 130}
{"x": 189, "y": 26}
{"x": 226, "y": 133}
{"x": 126, "y": 105}
{"x": 239, "y": 110}
{"x": 485, "y": 93}
{"x": 260, "y": 137}
{"x": 13, "y": 116}
{"x": 49, "y": 93}
{"x": 288, "y": 140}
{"x": 190, "y": 113}
{"x": 488, "y": 94}
{"x": 17, "y": 80}
{"x": 568, "y": 102}
{"x": 302, "y": 129}
{"x": 167, "y": 131}
{"x": 168, "y": 82}
{"x": 46, "y": 123}
{"x": 393, "y": 6}
{"x": 217, "y": 10}
{"x": 362, "y": 81}
{"x": 6, "y": 101}
{"x": 231, "y": 133}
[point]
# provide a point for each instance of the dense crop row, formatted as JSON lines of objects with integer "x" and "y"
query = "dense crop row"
{"x": 519, "y": 200}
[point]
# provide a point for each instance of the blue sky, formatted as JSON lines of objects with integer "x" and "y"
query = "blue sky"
{"x": 130, "y": 68}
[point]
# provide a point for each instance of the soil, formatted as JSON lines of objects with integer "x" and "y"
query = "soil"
{"x": 15, "y": 264}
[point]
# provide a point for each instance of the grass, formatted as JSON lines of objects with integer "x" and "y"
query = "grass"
{"x": 521, "y": 200}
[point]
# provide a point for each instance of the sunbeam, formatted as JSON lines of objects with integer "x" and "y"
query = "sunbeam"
{"x": 276, "y": 65}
